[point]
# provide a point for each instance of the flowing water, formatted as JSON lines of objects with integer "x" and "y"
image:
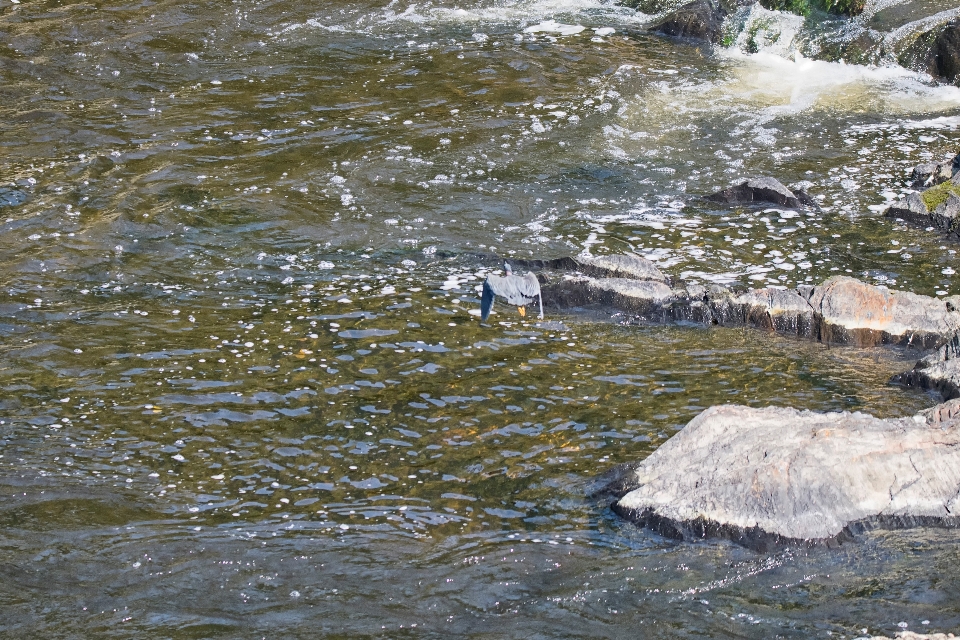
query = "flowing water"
{"x": 243, "y": 393}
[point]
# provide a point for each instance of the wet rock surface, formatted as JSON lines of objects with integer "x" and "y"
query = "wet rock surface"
{"x": 625, "y": 265}
{"x": 937, "y": 52}
{"x": 933, "y": 173}
{"x": 938, "y": 371}
{"x": 938, "y": 203}
{"x": 698, "y": 20}
{"x": 853, "y": 312}
{"x": 773, "y": 476}
{"x": 842, "y": 310}
{"x": 762, "y": 190}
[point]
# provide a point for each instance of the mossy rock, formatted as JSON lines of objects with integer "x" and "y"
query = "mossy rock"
{"x": 936, "y": 196}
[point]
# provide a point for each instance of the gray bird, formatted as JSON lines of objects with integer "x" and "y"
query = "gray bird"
{"x": 518, "y": 290}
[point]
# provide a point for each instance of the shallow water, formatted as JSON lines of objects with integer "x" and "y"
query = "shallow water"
{"x": 244, "y": 393}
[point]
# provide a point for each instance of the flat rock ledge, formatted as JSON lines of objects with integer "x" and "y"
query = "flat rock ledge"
{"x": 770, "y": 477}
{"x": 841, "y": 310}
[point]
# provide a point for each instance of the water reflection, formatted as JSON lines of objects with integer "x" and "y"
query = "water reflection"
{"x": 243, "y": 386}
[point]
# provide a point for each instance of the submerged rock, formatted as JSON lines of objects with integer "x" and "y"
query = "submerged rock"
{"x": 763, "y": 189}
{"x": 10, "y": 197}
{"x": 699, "y": 20}
{"x": 764, "y": 477}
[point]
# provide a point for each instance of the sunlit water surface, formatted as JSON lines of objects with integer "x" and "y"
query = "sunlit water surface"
{"x": 243, "y": 392}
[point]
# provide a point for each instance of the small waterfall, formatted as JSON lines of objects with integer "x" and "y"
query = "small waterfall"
{"x": 887, "y": 32}
{"x": 755, "y": 29}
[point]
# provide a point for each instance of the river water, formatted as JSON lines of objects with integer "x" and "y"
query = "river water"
{"x": 243, "y": 392}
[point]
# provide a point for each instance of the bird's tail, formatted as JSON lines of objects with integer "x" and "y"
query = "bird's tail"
{"x": 486, "y": 302}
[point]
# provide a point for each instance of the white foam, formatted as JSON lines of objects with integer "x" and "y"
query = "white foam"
{"x": 490, "y": 14}
{"x": 784, "y": 86}
{"x": 551, "y": 26}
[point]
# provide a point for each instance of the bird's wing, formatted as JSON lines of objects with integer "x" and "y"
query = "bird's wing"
{"x": 518, "y": 290}
{"x": 529, "y": 286}
{"x": 486, "y": 300}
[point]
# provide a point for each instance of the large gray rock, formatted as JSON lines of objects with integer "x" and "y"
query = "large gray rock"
{"x": 781, "y": 310}
{"x": 770, "y": 476}
{"x": 852, "y": 312}
{"x": 763, "y": 189}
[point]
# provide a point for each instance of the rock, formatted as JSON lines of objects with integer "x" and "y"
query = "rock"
{"x": 779, "y": 310}
{"x": 936, "y": 52}
{"x": 934, "y": 173}
{"x": 644, "y": 290}
{"x": 623, "y": 265}
{"x": 943, "y": 199}
{"x": 642, "y": 297}
{"x": 761, "y": 190}
{"x": 911, "y": 208}
{"x": 772, "y": 476}
{"x": 842, "y": 310}
{"x": 939, "y": 371}
{"x": 945, "y": 216}
{"x": 699, "y": 20}
{"x": 852, "y": 312}
{"x": 946, "y": 53}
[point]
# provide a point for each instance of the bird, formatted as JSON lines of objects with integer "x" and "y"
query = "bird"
{"x": 518, "y": 290}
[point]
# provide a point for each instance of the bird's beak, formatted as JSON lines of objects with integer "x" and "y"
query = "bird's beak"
{"x": 523, "y": 311}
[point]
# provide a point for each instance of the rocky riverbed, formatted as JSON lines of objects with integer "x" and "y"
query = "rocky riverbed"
{"x": 775, "y": 476}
